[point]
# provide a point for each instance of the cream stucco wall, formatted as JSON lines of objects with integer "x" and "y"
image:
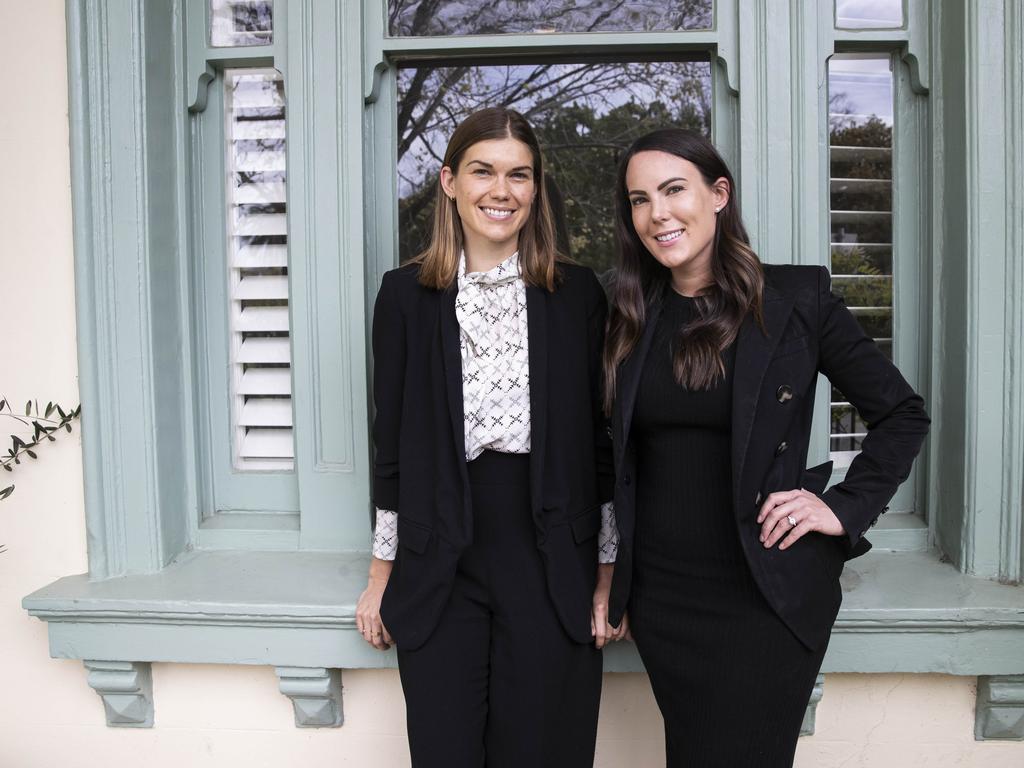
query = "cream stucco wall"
{"x": 227, "y": 716}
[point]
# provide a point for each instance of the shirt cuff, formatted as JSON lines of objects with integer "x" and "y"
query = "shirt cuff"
{"x": 608, "y": 538}
{"x": 385, "y": 535}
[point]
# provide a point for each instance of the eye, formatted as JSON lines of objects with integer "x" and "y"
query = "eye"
{"x": 481, "y": 172}
{"x": 674, "y": 188}
{"x": 520, "y": 175}
{"x": 635, "y": 201}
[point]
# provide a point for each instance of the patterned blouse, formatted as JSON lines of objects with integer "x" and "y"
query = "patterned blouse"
{"x": 493, "y": 338}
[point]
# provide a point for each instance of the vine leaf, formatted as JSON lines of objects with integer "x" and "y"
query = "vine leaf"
{"x": 4, "y": 493}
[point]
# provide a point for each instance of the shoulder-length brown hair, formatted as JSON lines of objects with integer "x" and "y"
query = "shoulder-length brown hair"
{"x": 736, "y": 290}
{"x": 538, "y": 251}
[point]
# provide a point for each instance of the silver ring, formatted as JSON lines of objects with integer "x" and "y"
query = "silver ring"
{"x": 791, "y": 520}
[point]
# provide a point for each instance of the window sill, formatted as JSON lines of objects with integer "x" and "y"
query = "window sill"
{"x": 902, "y": 612}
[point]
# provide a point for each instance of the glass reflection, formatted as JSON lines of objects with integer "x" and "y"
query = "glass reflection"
{"x": 584, "y": 116}
{"x": 241, "y": 22}
{"x": 869, "y": 14}
{"x": 860, "y": 210}
{"x": 411, "y": 18}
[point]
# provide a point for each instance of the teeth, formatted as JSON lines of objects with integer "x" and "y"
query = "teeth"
{"x": 497, "y": 213}
{"x": 670, "y": 236}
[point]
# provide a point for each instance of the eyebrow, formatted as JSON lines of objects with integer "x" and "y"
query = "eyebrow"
{"x": 489, "y": 165}
{"x": 661, "y": 186}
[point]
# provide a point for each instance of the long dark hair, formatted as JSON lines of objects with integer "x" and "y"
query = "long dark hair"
{"x": 439, "y": 262}
{"x": 736, "y": 290}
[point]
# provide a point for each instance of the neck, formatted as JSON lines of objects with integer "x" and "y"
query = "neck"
{"x": 485, "y": 256}
{"x": 690, "y": 284}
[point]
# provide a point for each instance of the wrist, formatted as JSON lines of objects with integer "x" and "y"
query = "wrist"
{"x": 380, "y": 570}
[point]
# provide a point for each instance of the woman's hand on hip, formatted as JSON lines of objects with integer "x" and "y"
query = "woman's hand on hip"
{"x": 791, "y": 514}
{"x": 602, "y": 631}
{"x": 368, "y": 620}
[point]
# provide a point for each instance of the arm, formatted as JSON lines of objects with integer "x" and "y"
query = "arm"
{"x": 389, "y": 373}
{"x": 897, "y": 422}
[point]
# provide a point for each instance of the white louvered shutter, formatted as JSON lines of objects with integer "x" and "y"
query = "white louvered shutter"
{"x": 257, "y": 230}
{"x": 861, "y": 214}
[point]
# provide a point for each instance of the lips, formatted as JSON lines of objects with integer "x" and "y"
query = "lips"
{"x": 498, "y": 214}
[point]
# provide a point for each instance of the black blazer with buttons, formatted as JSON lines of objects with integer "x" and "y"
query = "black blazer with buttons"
{"x": 420, "y": 455}
{"x": 807, "y": 330}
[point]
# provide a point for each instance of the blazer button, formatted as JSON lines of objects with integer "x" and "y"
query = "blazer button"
{"x": 781, "y": 448}
{"x": 757, "y": 501}
{"x": 784, "y": 393}
{"x": 608, "y": 431}
{"x": 626, "y": 480}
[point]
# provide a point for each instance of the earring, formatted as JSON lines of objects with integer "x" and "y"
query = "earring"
{"x": 718, "y": 210}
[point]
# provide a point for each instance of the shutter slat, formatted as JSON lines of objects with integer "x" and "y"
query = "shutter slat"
{"x": 260, "y": 256}
{"x": 259, "y": 193}
{"x": 266, "y": 381}
{"x": 264, "y": 350}
{"x": 262, "y": 287}
{"x": 266, "y": 412}
{"x": 260, "y": 224}
{"x": 257, "y": 162}
{"x": 268, "y": 444}
{"x": 248, "y": 130}
{"x": 256, "y": 319}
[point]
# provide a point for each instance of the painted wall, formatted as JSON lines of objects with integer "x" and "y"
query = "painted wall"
{"x": 225, "y": 716}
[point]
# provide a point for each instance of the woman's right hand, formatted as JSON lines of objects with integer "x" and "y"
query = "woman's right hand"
{"x": 368, "y": 620}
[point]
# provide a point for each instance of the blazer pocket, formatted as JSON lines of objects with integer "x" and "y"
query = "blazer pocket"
{"x": 413, "y": 536}
{"x": 586, "y": 524}
{"x": 789, "y": 346}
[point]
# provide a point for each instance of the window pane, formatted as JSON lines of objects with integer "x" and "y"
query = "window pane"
{"x": 869, "y": 14}
{"x": 261, "y": 408}
{"x": 241, "y": 22}
{"x": 409, "y": 18}
{"x": 585, "y": 115}
{"x": 860, "y": 155}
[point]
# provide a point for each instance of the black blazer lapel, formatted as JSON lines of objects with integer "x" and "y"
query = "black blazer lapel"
{"x": 629, "y": 381}
{"x": 452, "y": 357}
{"x": 537, "y": 329}
{"x": 753, "y": 353}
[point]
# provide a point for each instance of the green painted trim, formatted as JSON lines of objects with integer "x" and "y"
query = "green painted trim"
{"x": 903, "y": 612}
{"x": 129, "y": 269}
{"x": 326, "y": 253}
{"x": 988, "y": 287}
{"x": 999, "y": 708}
{"x": 316, "y": 695}
{"x": 126, "y": 689}
{"x": 1011, "y": 555}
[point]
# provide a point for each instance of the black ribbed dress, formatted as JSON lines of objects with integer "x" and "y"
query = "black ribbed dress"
{"x": 730, "y": 678}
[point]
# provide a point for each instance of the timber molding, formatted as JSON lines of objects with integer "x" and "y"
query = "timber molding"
{"x": 315, "y": 693}
{"x": 999, "y": 711}
{"x": 126, "y": 688}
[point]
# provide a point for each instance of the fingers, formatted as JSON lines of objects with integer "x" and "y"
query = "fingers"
{"x": 599, "y": 623}
{"x": 777, "y": 522}
{"x": 800, "y": 529}
{"x": 368, "y": 621}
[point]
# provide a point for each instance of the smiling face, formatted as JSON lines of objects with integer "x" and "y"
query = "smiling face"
{"x": 493, "y": 189}
{"x": 674, "y": 212}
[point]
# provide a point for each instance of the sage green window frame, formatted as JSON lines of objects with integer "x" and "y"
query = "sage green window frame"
{"x": 152, "y": 595}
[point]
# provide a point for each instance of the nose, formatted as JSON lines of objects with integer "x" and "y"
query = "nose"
{"x": 659, "y": 211}
{"x": 500, "y": 189}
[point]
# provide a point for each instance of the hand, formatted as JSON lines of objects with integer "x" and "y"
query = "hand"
{"x": 809, "y": 513}
{"x": 368, "y": 620}
{"x": 603, "y": 632}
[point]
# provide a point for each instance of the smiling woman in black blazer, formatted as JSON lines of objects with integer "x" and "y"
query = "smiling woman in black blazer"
{"x": 730, "y": 550}
{"x": 491, "y": 467}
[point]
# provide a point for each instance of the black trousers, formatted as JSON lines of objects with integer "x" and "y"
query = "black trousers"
{"x": 499, "y": 683}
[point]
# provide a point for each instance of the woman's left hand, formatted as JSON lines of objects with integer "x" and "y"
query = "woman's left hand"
{"x": 795, "y": 513}
{"x": 602, "y": 631}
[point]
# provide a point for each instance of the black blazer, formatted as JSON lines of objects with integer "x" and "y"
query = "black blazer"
{"x": 807, "y": 330}
{"x": 420, "y": 460}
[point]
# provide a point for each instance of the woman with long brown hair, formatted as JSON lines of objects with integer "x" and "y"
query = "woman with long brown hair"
{"x": 730, "y": 550}
{"x": 491, "y": 466}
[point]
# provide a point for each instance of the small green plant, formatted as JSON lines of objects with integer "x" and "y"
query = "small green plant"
{"x": 43, "y": 426}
